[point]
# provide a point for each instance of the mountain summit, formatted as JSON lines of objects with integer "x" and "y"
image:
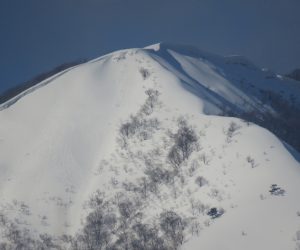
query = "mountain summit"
{"x": 139, "y": 149}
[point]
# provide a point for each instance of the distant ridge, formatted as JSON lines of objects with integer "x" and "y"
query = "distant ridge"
{"x": 295, "y": 74}
{"x": 16, "y": 90}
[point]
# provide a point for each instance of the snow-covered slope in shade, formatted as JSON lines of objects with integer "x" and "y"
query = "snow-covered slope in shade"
{"x": 56, "y": 137}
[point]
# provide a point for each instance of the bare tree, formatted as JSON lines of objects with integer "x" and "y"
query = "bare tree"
{"x": 172, "y": 226}
{"x": 186, "y": 141}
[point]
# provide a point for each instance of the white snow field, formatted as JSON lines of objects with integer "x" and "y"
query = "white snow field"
{"x": 60, "y": 141}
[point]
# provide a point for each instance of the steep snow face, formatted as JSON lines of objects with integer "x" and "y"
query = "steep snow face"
{"x": 231, "y": 82}
{"x": 54, "y": 137}
{"x": 60, "y": 141}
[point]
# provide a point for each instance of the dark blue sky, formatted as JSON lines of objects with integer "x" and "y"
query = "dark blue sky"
{"x": 36, "y": 35}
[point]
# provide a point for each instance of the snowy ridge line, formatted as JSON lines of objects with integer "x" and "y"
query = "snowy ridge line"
{"x": 16, "y": 98}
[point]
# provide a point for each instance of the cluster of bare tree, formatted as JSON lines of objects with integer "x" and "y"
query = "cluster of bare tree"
{"x": 284, "y": 122}
{"x": 185, "y": 142}
{"x": 140, "y": 125}
{"x": 118, "y": 221}
{"x": 117, "y": 225}
{"x": 13, "y": 236}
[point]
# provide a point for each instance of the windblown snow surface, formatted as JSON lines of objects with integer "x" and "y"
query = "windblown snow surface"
{"x": 61, "y": 141}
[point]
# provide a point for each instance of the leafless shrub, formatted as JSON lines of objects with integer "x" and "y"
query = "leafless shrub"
{"x": 201, "y": 181}
{"x": 251, "y": 161}
{"x": 145, "y": 73}
{"x": 195, "y": 227}
{"x": 175, "y": 157}
{"x": 262, "y": 197}
{"x": 24, "y": 209}
{"x": 144, "y": 187}
{"x": 244, "y": 233}
{"x": 114, "y": 182}
{"x": 151, "y": 102}
{"x": 198, "y": 208}
{"x": 204, "y": 158}
{"x": 194, "y": 166}
{"x": 231, "y": 131}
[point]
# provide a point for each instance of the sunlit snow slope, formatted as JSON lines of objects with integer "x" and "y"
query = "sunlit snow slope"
{"x": 54, "y": 136}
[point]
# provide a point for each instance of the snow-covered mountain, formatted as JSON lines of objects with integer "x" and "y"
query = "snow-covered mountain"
{"x": 139, "y": 149}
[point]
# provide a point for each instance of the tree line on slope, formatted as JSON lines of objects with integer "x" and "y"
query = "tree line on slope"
{"x": 284, "y": 123}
